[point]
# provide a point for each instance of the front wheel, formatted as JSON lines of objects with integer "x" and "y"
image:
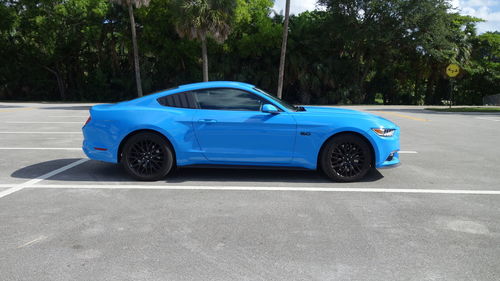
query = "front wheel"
{"x": 147, "y": 157}
{"x": 346, "y": 158}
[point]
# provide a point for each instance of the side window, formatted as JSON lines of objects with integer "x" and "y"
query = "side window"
{"x": 227, "y": 99}
{"x": 182, "y": 100}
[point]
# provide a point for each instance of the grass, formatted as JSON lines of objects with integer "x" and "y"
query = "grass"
{"x": 465, "y": 109}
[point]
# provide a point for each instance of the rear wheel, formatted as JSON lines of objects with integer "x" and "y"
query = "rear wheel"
{"x": 147, "y": 157}
{"x": 346, "y": 158}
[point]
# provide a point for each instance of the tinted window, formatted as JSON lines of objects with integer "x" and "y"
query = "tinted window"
{"x": 183, "y": 100}
{"x": 281, "y": 102}
{"x": 227, "y": 99}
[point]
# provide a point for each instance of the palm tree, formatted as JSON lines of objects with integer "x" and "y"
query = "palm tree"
{"x": 283, "y": 50}
{"x": 129, "y": 4}
{"x": 199, "y": 19}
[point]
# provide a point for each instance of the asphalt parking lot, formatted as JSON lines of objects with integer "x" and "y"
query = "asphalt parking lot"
{"x": 435, "y": 217}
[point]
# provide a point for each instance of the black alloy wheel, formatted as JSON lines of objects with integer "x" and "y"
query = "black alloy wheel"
{"x": 147, "y": 157}
{"x": 346, "y": 158}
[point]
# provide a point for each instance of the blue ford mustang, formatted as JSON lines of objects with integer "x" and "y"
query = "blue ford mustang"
{"x": 237, "y": 124}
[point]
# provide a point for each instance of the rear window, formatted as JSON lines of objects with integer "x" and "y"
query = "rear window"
{"x": 181, "y": 100}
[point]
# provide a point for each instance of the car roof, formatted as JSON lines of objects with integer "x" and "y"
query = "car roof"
{"x": 188, "y": 87}
{"x": 215, "y": 84}
{"x": 196, "y": 86}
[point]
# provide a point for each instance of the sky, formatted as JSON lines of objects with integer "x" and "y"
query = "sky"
{"x": 489, "y": 10}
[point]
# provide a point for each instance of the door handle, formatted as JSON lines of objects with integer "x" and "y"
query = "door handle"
{"x": 207, "y": 120}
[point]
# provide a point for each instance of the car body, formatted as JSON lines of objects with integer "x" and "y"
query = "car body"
{"x": 233, "y": 123}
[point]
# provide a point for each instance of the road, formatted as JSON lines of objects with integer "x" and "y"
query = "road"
{"x": 435, "y": 217}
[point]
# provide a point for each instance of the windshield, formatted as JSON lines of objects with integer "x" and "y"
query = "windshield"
{"x": 280, "y": 102}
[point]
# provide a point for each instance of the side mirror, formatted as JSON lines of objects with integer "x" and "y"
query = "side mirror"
{"x": 269, "y": 108}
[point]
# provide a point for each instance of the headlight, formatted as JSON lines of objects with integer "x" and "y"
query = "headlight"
{"x": 384, "y": 132}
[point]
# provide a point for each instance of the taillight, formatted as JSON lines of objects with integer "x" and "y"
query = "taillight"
{"x": 88, "y": 120}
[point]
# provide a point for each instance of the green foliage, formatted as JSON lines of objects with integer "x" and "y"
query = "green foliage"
{"x": 354, "y": 51}
{"x": 197, "y": 19}
{"x": 201, "y": 19}
{"x": 482, "y": 76}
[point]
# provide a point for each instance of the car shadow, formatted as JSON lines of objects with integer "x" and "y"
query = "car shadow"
{"x": 96, "y": 171}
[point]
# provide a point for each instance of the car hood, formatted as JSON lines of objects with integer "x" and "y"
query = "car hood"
{"x": 343, "y": 112}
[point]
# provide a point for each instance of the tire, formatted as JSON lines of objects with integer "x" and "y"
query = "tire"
{"x": 147, "y": 157}
{"x": 346, "y": 158}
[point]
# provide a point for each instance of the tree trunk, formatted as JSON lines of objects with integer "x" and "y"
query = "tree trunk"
{"x": 204, "y": 57}
{"x": 60, "y": 82}
{"x": 136, "y": 52}
{"x": 429, "y": 91}
{"x": 114, "y": 55}
{"x": 416, "y": 93}
{"x": 362, "y": 85}
{"x": 283, "y": 50}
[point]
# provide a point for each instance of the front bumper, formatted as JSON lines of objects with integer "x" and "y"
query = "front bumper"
{"x": 387, "y": 150}
{"x": 391, "y": 162}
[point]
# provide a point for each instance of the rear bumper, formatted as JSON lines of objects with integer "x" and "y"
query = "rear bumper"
{"x": 95, "y": 149}
{"x": 94, "y": 154}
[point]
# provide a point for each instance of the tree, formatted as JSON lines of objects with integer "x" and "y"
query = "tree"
{"x": 482, "y": 75}
{"x": 200, "y": 19}
{"x": 353, "y": 51}
{"x": 283, "y": 50}
{"x": 129, "y": 5}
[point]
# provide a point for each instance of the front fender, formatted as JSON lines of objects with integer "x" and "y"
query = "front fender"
{"x": 371, "y": 138}
{"x": 315, "y": 130}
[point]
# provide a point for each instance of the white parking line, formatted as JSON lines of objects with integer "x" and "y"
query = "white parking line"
{"x": 41, "y": 122}
{"x": 40, "y": 148}
{"x": 41, "y": 178}
{"x": 269, "y": 188}
{"x": 40, "y": 238}
{"x": 8, "y": 132}
{"x": 495, "y": 119}
{"x": 78, "y": 148}
{"x": 67, "y": 116}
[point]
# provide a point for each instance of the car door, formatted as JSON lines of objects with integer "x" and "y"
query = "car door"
{"x": 230, "y": 127}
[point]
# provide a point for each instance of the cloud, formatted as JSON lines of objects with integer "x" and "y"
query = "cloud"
{"x": 296, "y": 6}
{"x": 488, "y": 10}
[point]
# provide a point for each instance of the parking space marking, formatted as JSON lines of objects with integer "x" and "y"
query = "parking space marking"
{"x": 79, "y": 148}
{"x": 40, "y": 148}
{"x": 32, "y": 241}
{"x": 12, "y": 132}
{"x": 41, "y": 178}
{"x": 68, "y": 116}
{"x": 42, "y": 122}
{"x": 495, "y": 119}
{"x": 269, "y": 188}
{"x": 404, "y": 116}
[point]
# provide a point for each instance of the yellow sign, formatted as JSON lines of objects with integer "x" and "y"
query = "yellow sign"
{"x": 452, "y": 70}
